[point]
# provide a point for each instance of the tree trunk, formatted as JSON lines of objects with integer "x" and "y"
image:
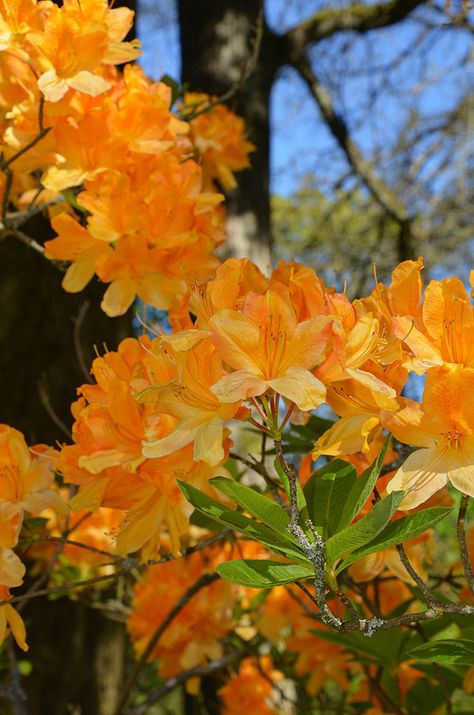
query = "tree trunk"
{"x": 222, "y": 36}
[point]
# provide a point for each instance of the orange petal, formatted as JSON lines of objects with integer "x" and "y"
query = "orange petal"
{"x": 301, "y": 387}
{"x": 425, "y": 472}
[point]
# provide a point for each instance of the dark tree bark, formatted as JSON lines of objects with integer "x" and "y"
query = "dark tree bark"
{"x": 217, "y": 41}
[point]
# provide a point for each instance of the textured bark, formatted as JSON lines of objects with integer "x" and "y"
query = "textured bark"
{"x": 220, "y": 35}
{"x": 47, "y": 340}
{"x": 77, "y": 657}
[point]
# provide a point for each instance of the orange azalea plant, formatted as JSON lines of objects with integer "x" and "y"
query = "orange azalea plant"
{"x": 307, "y": 576}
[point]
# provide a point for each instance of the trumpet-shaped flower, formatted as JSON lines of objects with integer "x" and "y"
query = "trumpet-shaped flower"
{"x": 191, "y": 400}
{"x": 268, "y": 349}
{"x": 74, "y": 41}
{"x": 443, "y": 427}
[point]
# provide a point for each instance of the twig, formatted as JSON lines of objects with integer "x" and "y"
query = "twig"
{"x": 24, "y": 238}
{"x": 203, "y": 581}
{"x": 77, "y": 340}
{"x": 315, "y": 550}
{"x": 199, "y": 671}
{"x": 65, "y": 587}
{"x": 463, "y": 549}
{"x": 46, "y": 402}
{"x": 429, "y": 597}
{"x": 385, "y": 698}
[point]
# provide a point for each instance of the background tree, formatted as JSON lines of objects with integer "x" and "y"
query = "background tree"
{"x": 335, "y": 56}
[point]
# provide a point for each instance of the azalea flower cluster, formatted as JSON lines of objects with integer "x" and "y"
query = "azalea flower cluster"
{"x": 244, "y": 344}
{"x": 143, "y": 221}
{"x": 26, "y": 477}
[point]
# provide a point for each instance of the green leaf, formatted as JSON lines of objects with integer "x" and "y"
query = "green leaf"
{"x": 176, "y": 89}
{"x": 326, "y": 492}
{"x": 383, "y": 646}
{"x": 397, "y": 532}
{"x": 236, "y": 520}
{"x": 446, "y": 652}
{"x": 363, "y": 487}
{"x": 71, "y": 199}
{"x": 363, "y": 531}
{"x": 265, "y": 509}
{"x": 257, "y": 573}
{"x": 197, "y": 518}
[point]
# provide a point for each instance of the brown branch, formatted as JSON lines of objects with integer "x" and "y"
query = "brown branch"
{"x": 203, "y": 581}
{"x": 359, "y": 18}
{"x": 463, "y": 549}
{"x": 383, "y": 194}
{"x": 64, "y": 587}
{"x": 430, "y": 598}
{"x": 43, "y": 394}
{"x": 199, "y": 671}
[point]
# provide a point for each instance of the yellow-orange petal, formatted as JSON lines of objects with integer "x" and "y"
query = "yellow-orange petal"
{"x": 78, "y": 275}
{"x": 118, "y": 297}
{"x": 12, "y": 569}
{"x": 239, "y": 386}
{"x": 422, "y": 474}
{"x": 90, "y": 495}
{"x": 9, "y": 617}
{"x": 301, "y": 387}
{"x": 88, "y": 83}
{"x": 208, "y": 443}
{"x": 348, "y": 435}
{"x": 52, "y": 87}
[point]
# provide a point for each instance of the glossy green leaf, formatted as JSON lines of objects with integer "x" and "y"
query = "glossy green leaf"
{"x": 446, "y": 652}
{"x": 399, "y": 531}
{"x": 261, "y": 573}
{"x": 238, "y": 521}
{"x": 265, "y": 509}
{"x": 326, "y": 492}
{"x": 363, "y": 488}
{"x": 363, "y": 531}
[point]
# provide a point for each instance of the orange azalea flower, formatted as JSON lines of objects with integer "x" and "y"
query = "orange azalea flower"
{"x": 26, "y": 476}
{"x": 191, "y": 400}
{"x": 446, "y": 332}
{"x": 11, "y": 621}
{"x": 360, "y": 405}
{"x": 74, "y": 40}
{"x": 269, "y": 350}
{"x": 443, "y": 426}
{"x": 154, "y": 232}
{"x": 95, "y": 529}
{"x": 106, "y": 460}
{"x": 250, "y": 689}
{"x": 195, "y": 634}
{"x": 219, "y": 137}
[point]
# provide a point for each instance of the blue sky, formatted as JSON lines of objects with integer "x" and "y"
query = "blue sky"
{"x": 426, "y": 79}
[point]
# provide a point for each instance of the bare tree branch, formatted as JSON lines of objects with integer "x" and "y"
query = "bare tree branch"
{"x": 358, "y": 18}
{"x": 382, "y": 193}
